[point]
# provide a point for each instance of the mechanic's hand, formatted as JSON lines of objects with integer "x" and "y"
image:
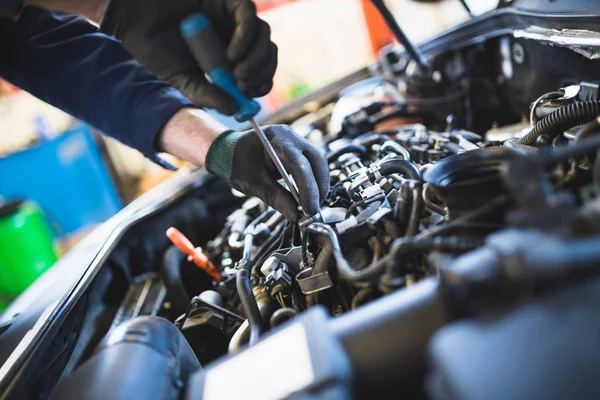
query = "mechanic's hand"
{"x": 149, "y": 30}
{"x": 240, "y": 159}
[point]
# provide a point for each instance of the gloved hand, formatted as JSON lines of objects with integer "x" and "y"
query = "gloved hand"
{"x": 149, "y": 30}
{"x": 241, "y": 160}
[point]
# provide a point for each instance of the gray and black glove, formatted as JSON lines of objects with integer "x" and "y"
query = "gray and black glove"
{"x": 149, "y": 30}
{"x": 241, "y": 160}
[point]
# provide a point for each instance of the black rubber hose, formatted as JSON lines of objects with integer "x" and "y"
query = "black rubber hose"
{"x": 361, "y": 297}
{"x": 415, "y": 213}
{"x": 243, "y": 284}
{"x": 398, "y": 166}
{"x": 170, "y": 272}
{"x": 350, "y": 148}
{"x": 244, "y": 289}
{"x": 282, "y": 315}
{"x": 323, "y": 259}
{"x": 561, "y": 120}
{"x": 371, "y": 138}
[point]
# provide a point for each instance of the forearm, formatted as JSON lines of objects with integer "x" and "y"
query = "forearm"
{"x": 69, "y": 64}
{"x": 189, "y": 134}
{"x": 91, "y": 9}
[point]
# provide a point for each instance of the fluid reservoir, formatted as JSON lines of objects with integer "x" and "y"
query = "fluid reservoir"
{"x": 26, "y": 247}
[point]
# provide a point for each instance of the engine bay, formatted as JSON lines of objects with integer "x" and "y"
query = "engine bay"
{"x": 462, "y": 197}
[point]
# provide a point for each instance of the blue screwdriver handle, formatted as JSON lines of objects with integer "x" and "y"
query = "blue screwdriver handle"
{"x": 210, "y": 53}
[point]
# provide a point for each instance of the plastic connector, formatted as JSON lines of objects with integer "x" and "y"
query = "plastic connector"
{"x": 279, "y": 281}
{"x": 589, "y": 91}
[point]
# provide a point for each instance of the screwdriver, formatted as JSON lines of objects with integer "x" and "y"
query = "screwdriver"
{"x": 210, "y": 54}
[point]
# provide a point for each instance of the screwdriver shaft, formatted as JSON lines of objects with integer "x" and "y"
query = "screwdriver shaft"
{"x": 267, "y": 145}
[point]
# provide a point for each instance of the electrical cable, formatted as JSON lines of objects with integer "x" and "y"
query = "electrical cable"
{"x": 562, "y": 120}
{"x": 339, "y": 184}
{"x": 536, "y": 103}
{"x": 364, "y": 203}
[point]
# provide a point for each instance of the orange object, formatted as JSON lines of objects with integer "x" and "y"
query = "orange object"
{"x": 265, "y": 5}
{"x": 195, "y": 254}
{"x": 379, "y": 33}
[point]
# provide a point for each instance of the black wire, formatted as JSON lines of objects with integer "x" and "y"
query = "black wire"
{"x": 561, "y": 120}
{"x": 270, "y": 245}
{"x": 339, "y": 184}
{"x": 363, "y": 203}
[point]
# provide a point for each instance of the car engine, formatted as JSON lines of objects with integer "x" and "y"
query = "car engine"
{"x": 457, "y": 249}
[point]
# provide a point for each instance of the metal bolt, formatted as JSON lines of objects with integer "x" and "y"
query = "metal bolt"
{"x": 518, "y": 53}
{"x": 337, "y": 310}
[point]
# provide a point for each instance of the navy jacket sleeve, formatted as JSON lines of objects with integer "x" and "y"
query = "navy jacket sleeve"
{"x": 66, "y": 62}
{"x": 10, "y": 8}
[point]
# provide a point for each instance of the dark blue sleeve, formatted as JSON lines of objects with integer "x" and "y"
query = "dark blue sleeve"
{"x": 66, "y": 62}
{"x": 10, "y": 8}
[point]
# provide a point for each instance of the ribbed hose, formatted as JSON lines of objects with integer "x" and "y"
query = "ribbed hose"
{"x": 561, "y": 120}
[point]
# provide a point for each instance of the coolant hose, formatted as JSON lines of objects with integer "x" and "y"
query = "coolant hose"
{"x": 243, "y": 284}
{"x": 242, "y": 334}
{"x": 282, "y": 315}
{"x": 244, "y": 289}
{"x": 170, "y": 273}
{"x": 561, "y": 120}
{"x": 371, "y": 138}
{"x": 323, "y": 259}
{"x": 350, "y": 148}
{"x": 398, "y": 166}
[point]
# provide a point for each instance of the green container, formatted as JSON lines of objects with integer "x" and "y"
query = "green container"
{"x": 4, "y": 302}
{"x": 26, "y": 247}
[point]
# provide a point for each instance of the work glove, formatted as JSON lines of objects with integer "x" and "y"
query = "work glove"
{"x": 241, "y": 160}
{"x": 149, "y": 30}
